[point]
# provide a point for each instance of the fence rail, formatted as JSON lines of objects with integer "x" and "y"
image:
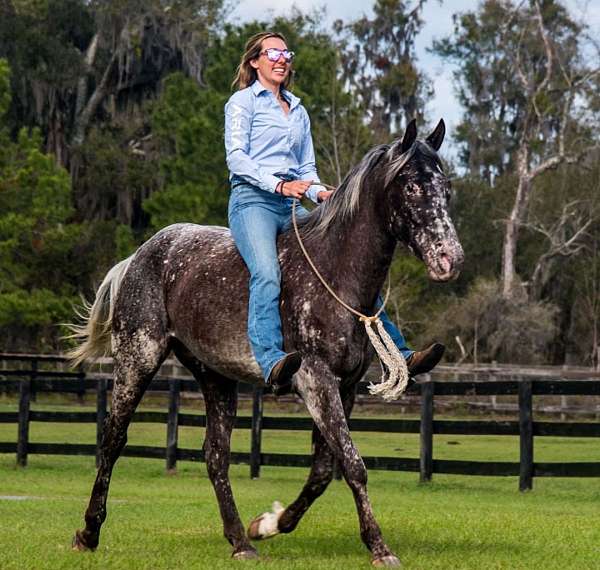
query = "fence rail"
{"x": 26, "y": 382}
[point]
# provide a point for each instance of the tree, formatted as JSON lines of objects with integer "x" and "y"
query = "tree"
{"x": 378, "y": 59}
{"x": 544, "y": 107}
{"x": 45, "y": 258}
{"x": 80, "y": 62}
{"x": 188, "y": 127}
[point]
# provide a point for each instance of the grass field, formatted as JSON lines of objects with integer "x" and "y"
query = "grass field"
{"x": 157, "y": 521}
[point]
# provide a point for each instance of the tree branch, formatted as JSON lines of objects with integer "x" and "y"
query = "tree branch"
{"x": 101, "y": 91}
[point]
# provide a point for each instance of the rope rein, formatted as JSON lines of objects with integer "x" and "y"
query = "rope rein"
{"x": 394, "y": 376}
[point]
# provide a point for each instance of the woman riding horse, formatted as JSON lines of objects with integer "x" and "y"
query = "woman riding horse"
{"x": 185, "y": 291}
{"x": 271, "y": 161}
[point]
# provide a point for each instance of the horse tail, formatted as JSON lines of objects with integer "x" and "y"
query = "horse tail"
{"x": 94, "y": 332}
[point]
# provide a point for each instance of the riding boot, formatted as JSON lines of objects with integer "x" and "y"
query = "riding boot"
{"x": 426, "y": 360}
{"x": 281, "y": 375}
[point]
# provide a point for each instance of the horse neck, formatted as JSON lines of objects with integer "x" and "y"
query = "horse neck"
{"x": 355, "y": 254}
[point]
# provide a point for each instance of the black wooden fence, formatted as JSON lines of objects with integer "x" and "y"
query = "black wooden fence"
{"x": 27, "y": 381}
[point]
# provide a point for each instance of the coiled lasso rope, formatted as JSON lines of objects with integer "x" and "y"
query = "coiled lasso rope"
{"x": 392, "y": 387}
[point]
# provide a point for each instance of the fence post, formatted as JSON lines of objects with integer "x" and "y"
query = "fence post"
{"x": 33, "y": 376}
{"x": 81, "y": 379}
{"x": 337, "y": 470}
{"x": 426, "y": 432}
{"x": 525, "y": 436}
{"x": 257, "y": 420}
{"x": 24, "y": 409}
{"x": 172, "y": 426}
{"x": 101, "y": 389}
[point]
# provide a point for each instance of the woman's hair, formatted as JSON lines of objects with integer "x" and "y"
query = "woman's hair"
{"x": 246, "y": 75}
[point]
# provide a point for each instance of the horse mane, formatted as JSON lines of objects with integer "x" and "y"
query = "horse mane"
{"x": 344, "y": 201}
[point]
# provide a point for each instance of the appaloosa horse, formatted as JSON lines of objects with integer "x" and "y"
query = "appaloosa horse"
{"x": 185, "y": 290}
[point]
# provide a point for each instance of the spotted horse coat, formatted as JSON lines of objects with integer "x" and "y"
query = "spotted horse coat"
{"x": 186, "y": 290}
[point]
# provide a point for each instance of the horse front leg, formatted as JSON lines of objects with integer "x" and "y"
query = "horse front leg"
{"x": 322, "y": 398}
{"x": 321, "y": 474}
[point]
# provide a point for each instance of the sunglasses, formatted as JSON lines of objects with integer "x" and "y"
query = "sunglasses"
{"x": 273, "y": 54}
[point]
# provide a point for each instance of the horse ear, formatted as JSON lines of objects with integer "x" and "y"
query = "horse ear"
{"x": 436, "y": 138}
{"x": 409, "y": 136}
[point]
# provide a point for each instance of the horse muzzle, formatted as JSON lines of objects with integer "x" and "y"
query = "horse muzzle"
{"x": 444, "y": 260}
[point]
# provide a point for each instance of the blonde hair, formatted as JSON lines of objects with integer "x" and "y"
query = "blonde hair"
{"x": 246, "y": 75}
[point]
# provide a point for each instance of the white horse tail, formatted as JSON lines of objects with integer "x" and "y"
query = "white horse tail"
{"x": 93, "y": 334}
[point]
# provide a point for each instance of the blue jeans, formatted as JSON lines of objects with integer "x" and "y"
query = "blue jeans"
{"x": 393, "y": 330}
{"x": 256, "y": 217}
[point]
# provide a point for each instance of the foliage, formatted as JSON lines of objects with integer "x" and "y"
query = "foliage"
{"x": 188, "y": 124}
{"x": 129, "y": 96}
{"x": 34, "y": 240}
{"x": 408, "y": 286}
{"x": 5, "y": 95}
{"x": 44, "y": 258}
{"x": 491, "y": 47}
{"x": 115, "y": 174}
{"x": 379, "y": 63}
{"x": 491, "y": 327}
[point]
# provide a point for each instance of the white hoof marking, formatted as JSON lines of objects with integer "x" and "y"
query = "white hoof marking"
{"x": 268, "y": 525}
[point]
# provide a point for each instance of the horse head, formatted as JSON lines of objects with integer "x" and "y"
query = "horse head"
{"x": 418, "y": 193}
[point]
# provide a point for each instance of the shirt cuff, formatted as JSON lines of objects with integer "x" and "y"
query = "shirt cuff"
{"x": 269, "y": 183}
{"x": 313, "y": 192}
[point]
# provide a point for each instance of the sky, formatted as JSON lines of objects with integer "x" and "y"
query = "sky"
{"x": 438, "y": 24}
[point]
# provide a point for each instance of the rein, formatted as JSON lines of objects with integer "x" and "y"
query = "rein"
{"x": 392, "y": 386}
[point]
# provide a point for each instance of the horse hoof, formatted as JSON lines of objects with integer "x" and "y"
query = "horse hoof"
{"x": 245, "y": 555}
{"x": 390, "y": 561}
{"x": 267, "y": 524}
{"x": 79, "y": 544}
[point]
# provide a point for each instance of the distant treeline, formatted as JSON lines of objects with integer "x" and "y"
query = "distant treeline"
{"x": 111, "y": 127}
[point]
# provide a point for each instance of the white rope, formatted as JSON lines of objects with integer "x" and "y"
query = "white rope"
{"x": 397, "y": 379}
{"x": 392, "y": 387}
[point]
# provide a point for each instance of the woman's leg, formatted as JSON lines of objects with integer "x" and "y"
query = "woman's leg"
{"x": 393, "y": 331}
{"x": 254, "y": 228}
{"x": 419, "y": 362}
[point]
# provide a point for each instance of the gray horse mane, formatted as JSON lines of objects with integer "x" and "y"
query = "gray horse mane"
{"x": 344, "y": 202}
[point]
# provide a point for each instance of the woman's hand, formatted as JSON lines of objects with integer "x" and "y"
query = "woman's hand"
{"x": 295, "y": 188}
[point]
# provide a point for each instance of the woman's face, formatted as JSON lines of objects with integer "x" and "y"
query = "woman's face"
{"x": 271, "y": 72}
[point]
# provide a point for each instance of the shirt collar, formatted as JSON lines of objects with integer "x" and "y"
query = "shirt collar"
{"x": 258, "y": 88}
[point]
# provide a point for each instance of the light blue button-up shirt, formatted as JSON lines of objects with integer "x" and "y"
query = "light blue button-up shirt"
{"x": 263, "y": 145}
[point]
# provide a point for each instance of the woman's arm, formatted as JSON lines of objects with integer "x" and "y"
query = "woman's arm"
{"x": 238, "y": 123}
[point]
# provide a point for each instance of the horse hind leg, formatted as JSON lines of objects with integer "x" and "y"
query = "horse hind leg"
{"x": 282, "y": 520}
{"x": 321, "y": 474}
{"x": 137, "y": 357}
{"x": 220, "y": 399}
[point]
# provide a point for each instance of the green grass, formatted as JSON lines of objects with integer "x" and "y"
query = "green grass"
{"x": 157, "y": 521}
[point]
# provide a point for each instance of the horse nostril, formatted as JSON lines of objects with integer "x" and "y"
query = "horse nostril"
{"x": 439, "y": 245}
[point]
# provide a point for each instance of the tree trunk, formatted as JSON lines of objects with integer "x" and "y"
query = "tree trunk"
{"x": 513, "y": 225}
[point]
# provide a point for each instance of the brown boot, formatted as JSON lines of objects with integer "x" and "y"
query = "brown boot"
{"x": 425, "y": 360}
{"x": 280, "y": 378}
